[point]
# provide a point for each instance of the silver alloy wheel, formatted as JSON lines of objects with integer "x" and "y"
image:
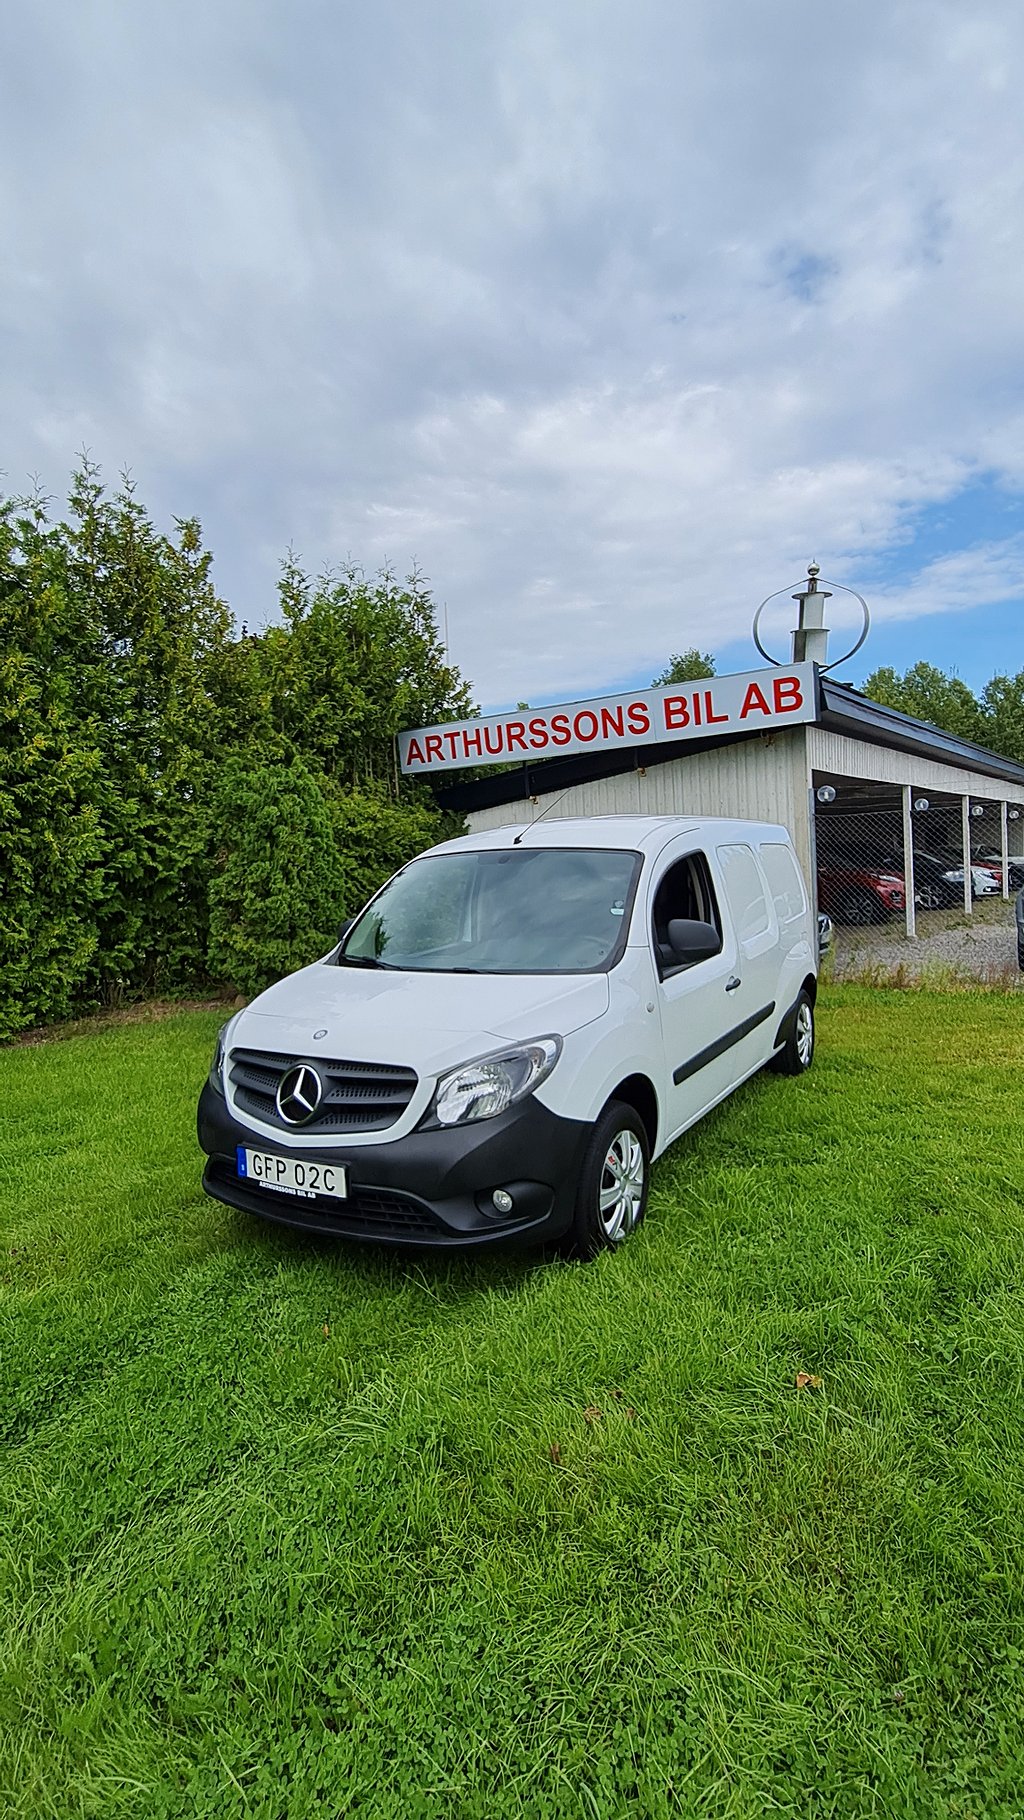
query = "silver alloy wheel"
{"x": 804, "y": 1034}
{"x": 622, "y": 1186}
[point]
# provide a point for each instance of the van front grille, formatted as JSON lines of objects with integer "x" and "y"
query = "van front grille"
{"x": 357, "y": 1096}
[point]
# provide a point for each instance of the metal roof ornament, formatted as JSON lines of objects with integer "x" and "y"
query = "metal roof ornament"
{"x": 810, "y": 635}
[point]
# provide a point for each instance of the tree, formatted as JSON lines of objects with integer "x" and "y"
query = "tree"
{"x": 685, "y": 666}
{"x": 358, "y": 661}
{"x": 129, "y": 705}
{"x": 930, "y": 694}
{"x": 374, "y": 836}
{"x": 1003, "y": 707}
{"x": 275, "y": 895}
{"x": 54, "y": 799}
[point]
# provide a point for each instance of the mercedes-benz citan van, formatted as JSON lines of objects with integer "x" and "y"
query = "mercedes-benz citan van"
{"x": 512, "y": 1029}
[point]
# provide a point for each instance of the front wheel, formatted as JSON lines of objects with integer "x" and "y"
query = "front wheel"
{"x": 859, "y": 907}
{"x": 611, "y": 1198}
{"x": 797, "y": 1052}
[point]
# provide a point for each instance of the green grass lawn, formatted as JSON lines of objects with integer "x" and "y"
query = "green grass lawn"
{"x": 288, "y": 1529}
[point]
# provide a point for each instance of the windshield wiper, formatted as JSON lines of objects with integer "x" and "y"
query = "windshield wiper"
{"x": 360, "y": 960}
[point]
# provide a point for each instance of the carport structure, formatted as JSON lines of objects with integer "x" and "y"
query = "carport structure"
{"x": 863, "y": 789}
{"x": 894, "y": 797}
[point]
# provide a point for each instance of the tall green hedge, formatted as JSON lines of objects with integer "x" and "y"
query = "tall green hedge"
{"x": 181, "y": 803}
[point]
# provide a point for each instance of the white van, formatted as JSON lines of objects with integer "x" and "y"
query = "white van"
{"x": 512, "y": 1029}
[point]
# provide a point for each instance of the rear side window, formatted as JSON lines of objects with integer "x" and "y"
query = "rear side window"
{"x": 745, "y": 891}
{"x": 784, "y": 881}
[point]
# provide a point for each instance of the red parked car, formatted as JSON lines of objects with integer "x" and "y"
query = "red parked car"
{"x": 860, "y": 894}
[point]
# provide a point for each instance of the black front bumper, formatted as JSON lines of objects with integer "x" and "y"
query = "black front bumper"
{"x": 431, "y": 1188}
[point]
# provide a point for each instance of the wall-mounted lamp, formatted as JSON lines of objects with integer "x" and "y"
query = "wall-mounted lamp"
{"x": 921, "y": 803}
{"x": 977, "y": 809}
{"x": 1013, "y": 815}
{"x": 826, "y": 793}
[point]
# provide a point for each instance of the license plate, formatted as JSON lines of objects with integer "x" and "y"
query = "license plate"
{"x": 290, "y": 1175}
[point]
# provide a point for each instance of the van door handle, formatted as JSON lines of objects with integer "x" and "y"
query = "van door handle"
{"x": 731, "y": 985}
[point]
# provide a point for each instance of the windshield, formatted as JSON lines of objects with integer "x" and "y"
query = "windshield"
{"x": 532, "y": 910}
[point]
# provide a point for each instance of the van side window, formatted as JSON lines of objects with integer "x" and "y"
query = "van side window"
{"x": 784, "y": 881}
{"x": 686, "y": 890}
{"x": 745, "y": 890}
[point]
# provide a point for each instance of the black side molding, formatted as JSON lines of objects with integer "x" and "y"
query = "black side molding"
{"x": 720, "y": 1045}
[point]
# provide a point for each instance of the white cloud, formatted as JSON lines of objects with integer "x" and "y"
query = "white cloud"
{"x": 985, "y": 575}
{"x": 609, "y": 320}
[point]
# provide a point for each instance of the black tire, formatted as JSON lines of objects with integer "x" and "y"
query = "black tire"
{"x": 859, "y": 907}
{"x": 797, "y": 1052}
{"x": 618, "y": 1134}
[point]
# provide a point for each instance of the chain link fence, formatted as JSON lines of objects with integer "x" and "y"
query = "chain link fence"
{"x": 917, "y": 881}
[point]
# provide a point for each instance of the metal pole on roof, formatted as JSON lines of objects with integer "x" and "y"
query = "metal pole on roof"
{"x": 965, "y": 831}
{"x": 810, "y": 635}
{"x": 908, "y": 861}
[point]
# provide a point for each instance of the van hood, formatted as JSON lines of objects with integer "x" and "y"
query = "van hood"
{"x": 427, "y": 1021}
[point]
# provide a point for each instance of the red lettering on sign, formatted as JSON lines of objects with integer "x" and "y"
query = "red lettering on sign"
{"x": 788, "y": 696}
{"x": 677, "y": 711}
{"x": 500, "y": 737}
{"x": 561, "y": 732}
{"x": 696, "y": 707}
{"x": 476, "y": 747}
{"x": 753, "y": 699}
{"x": 432, "y": 744}
{"x": 577, "y": 725}
{"x": 538, "y": 733}
{"x": 515, "y": 735}
{"x": 453, "y": 744}
{"x": 709, "y": 709}
{"x": 638, "y": 717}
{"x": 612, "y": 722}
{"x": 414, "y": 755}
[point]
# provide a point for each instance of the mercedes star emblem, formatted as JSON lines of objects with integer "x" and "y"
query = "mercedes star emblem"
{"x": 299, "y": 1093}
{"x": 317, "y": 1034}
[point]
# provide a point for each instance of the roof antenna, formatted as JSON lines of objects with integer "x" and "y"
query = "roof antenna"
{"x": 540, "y": 817}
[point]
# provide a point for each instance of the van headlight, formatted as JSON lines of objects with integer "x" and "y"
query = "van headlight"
{"x": 482, "y": 1089}
{"x": 216, "y": 1076}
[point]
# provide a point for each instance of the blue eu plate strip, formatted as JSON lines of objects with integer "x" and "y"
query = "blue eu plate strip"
{"x": 240, "y": 1159}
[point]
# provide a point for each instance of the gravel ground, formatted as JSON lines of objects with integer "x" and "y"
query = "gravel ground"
{"x": 982, "y": 946}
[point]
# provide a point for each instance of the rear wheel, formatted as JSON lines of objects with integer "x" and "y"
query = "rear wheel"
{"x": 859, "y": 906}
{"x": 611, "y": 1198}
{"x": 797, "y": 1052}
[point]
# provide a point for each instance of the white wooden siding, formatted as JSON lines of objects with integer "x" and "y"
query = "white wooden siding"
{"x": 765, "y": 779}
{"x": 838, "y": 755}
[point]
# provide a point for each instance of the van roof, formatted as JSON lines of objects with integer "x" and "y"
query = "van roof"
{"x": 646, "y": 832}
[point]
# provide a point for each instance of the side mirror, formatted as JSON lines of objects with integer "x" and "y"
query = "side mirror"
{"x": 693, "y": 941}
{"x": 345, "y": 927}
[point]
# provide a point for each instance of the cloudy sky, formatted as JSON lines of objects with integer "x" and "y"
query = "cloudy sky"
{"x": 608, "y": 316}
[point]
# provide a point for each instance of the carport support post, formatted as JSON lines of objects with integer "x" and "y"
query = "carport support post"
{"x": 1005, "y": 831}
{"x": 908, "y": 860}
{"x": 965, "y": 821}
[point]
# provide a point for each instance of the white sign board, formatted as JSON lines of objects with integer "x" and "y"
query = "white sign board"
{"x": 756, "y": 701}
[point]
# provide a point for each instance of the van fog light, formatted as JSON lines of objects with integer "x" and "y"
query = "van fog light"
{"x": 501, "y": 1201}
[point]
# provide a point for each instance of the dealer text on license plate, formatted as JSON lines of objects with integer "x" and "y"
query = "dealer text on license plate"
{"x": 292, "y": 1175}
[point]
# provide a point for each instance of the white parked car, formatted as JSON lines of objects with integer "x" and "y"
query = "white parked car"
{"x": 984, "y": 881}
{"x": 512, "y": 1029}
